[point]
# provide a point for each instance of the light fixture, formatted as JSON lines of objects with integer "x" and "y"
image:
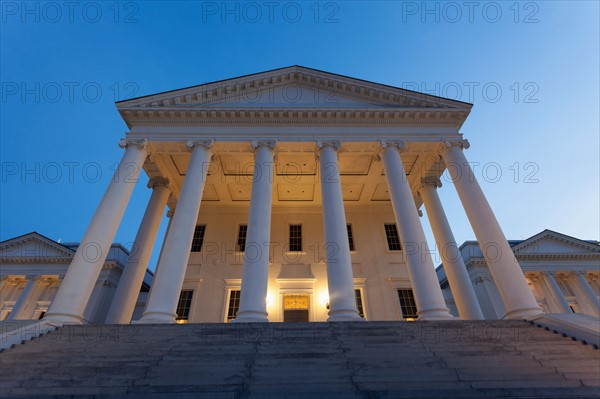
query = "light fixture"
{"x": 324, "y": 299}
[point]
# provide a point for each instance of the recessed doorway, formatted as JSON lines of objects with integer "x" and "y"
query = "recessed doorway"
{"x": 295, "y": 308}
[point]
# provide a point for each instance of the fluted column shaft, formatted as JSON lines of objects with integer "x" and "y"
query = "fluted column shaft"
{"x": 170, "y": 273}
{"x": 132, "y": 278}
{"x": 557, "y": 292}
{"x": 24, "y": 299}
{"x": 588, "y": 291}
{"x": 508, "y": 276}
{"x": 255, "y": 275}
{"x": 454, "y": 266}
{"x": 428, "y": 294}
{"x": 76, "y": 288}
{"x": 340, "y": 280}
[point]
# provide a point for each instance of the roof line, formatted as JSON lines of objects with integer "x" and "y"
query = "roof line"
{"x": 298, "y": 66}
{"x": 41, "y": 235}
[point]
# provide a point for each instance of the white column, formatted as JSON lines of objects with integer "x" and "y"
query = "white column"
{"x": 170, "y": 273}
{"x": 508, "y": 276}
{"x": 132, "y": 278}
{"x": 75, "y": 291}
{"x": 588, "y": 291}
{"x": 557, "y": 293}
{"x": 426, "y": 287}
{"x": 340, "y": 281}
{"x": 26, "y": 296}
{"x": 454, "y": 266}
{"x": 255, "y": 275}
{"x": 3, "y": 281}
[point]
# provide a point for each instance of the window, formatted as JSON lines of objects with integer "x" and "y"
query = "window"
{"x": 198, "y": 238}
{"x": 234, "y": 304}
{"x": 295, "y": 238}
{"x": 241, "y": 241}
{"x": 350, "y": 237}
{"x": 407, "y": 303}
{"x": 391, "y": 234}
{"x": 183, "y": 306}
{"x": 359, "y": 302}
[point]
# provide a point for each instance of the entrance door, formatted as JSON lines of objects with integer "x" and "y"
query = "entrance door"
{"x": 295, "y": 308}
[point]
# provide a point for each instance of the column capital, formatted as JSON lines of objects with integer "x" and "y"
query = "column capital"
{"x": 170, "y": 213}
{"x": 270, "y": 144}
{"x": 462, "y": 144}
{"x": 159, "y": 182}
{"x": 580, "y": 272}
{"x": 399, "y": 144}
{"x": 46, "y": 281}
{"x": 335, "y": 144}
{"x": 431, "y": 181}
{"x": 142, "y": 144}
{"x": 551, "y": 273}
{"x": 207, "y": 144}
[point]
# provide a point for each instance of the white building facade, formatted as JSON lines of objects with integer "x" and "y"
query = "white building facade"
{"x": 33, "y": 266}
{"x": 294, "y": 195}
{"x": 562, "y": 271}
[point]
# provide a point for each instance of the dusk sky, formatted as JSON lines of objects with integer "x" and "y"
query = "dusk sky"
{"x": 531, "y": 69}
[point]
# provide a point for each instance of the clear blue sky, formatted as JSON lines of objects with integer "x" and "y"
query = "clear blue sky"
{"x": 530, "y": 68}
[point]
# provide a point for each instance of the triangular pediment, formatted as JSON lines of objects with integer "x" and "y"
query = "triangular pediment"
{"x": 551, "y": 242}
{"x": 32, "y": 247}
{"x": 293, "y": 87}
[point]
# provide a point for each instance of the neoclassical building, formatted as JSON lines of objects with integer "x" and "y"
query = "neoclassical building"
{"x": 32, "y": 267}
{"x": 562, "y": 271}
{"x": 293, "y": 195}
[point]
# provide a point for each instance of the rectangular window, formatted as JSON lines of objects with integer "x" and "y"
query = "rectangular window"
{"x": 350, "y": 237}
{"x": 198, "y": 238}
{"x": 359, "y": 302}
{"x": 183, "y": 306}
{"x": 295, "y": 238}
{"x": 234, "y": 304}
{"x": 407, "y": 304}
{"x": 241, "y": 241}
{"x": 393, "y": 239}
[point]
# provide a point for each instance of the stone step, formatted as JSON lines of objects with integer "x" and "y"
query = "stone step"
{"x": 305, "y": 360}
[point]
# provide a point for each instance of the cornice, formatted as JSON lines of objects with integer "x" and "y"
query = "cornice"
{"x": 301, "y": 117}
{"x": 36, "y": 259}
{"x": 533, "y": 257}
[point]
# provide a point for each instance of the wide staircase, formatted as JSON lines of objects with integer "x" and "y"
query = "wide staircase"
{"x": 451, "y": 359}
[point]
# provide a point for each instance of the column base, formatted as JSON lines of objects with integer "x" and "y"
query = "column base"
{"x": 250, "y": 317}
{"x": 435, "y": 314}
{"x": 344, "y": 315}
{"x": 64, "y": 318}
{"x": 523, "y": 313}
{"x": 156, "y": 318}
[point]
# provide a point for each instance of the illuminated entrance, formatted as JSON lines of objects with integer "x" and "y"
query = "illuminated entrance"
{"x": 295, "y": 308}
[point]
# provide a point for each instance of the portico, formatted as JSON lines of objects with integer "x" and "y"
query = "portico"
{"x": 292, "y": 142}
